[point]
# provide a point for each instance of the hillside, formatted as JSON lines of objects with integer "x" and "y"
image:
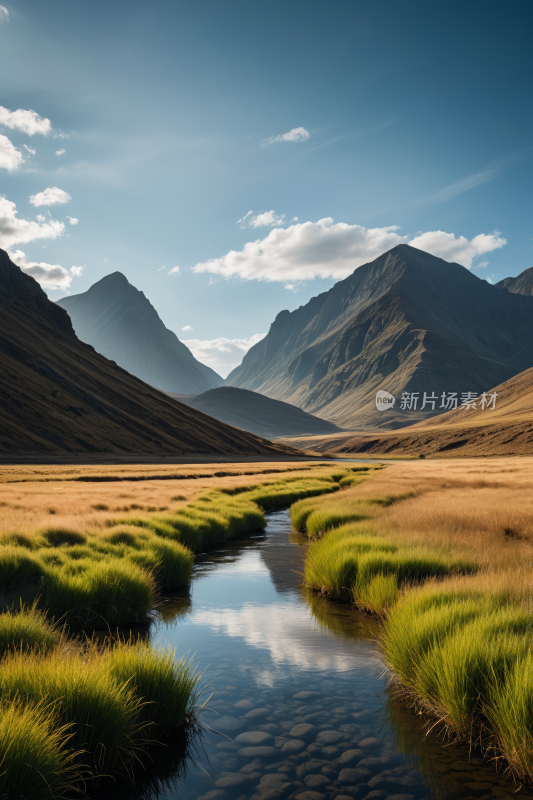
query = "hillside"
{"x": 406, "y": 322}
{"x": 121, "y": 324}
{"x": 522, "y": 284}
{"x": 258, "y": 414}
{"x": 60, "y": 396}
{"x": 506, "y": 430}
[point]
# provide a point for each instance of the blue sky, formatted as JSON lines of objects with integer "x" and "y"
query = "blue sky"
{"x": 408, "y": 120}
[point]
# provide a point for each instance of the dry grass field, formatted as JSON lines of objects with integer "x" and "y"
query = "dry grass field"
{"x": 80, "y": 497}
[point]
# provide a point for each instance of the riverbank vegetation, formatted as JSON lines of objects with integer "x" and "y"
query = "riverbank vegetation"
{"x": 92, "y": 709}
{"x": 444, "y": 554}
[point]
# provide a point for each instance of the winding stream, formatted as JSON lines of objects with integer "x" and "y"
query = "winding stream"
{"x": 299, "y": 693}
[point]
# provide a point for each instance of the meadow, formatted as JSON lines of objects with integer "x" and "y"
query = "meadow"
{"x": 81, "y": 551}
{"x": 443, "y": 553}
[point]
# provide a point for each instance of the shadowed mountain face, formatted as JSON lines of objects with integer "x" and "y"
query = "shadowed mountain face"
{"x": 258, "y": 414}
{"x": 121, "y": 324}
{"x": 406, "y": 322}
{"x": 60, "y": 396}
{"x": 522, "y": 284}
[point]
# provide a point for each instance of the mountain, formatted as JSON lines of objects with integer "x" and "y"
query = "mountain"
{"x": 121, "y": 324}
{"x": 406, "y": 322}
{"x": 503, "y": 431}
{"x": 523, "y": 284}
{"x": 257, "y": 413}
{"x": 60, "y": 396}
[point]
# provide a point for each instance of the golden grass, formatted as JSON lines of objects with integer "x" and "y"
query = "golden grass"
{"x": 40, "y": 496}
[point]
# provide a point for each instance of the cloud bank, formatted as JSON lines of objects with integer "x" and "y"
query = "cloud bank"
{"x": 10, "y": 157}
{"x": 50, "y": 276}
{"x": 50, "y": 197}
{"x": 222, "y": 355}
{"x": 294, "y": 135}
{"x": 4, "y": 14}
{"x": 14, "y": 230}
{"x": 266, "y": 219}
{"x": 28, "y": 122}
{"x": 326, "y": 249}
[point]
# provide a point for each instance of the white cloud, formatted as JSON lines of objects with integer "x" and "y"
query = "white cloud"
{"x": 60, "y": 135}
{"x": 266, "y": 219}
{"x": 222, "y": 355}
{"x": 242, "y": 222}
{"x": 482, "y": 265}
{"x": 77, "y": 271}
{"x": 187, "y": 328}
{"x": 460, "y": 249}
{"x": 25, "y": 121}
{"x": 14, "y": 230}
{"x": 325, "y": 249}
{"x": 60, "y": 152}
{"x": 50, "y": 276}
{"x": 294, "y": 135}
{"x": 41, "y": 218}
{"x": 10, "y": 157}
{"x": 73, "y": 220}
{"x": 160, "y": 268}
{"x": 174, "y": 271}
{"x": 4, "y": 14}
{"x": 294, "y": 219}
{"x": 50, "y": 197}
{"x": 30, "y": 150}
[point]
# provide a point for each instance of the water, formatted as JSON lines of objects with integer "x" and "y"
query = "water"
{"x": 300, "y": 692}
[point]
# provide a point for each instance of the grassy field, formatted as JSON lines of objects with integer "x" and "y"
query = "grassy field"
{"x": 444, "y": 553}
{"x": 79, "y": 554}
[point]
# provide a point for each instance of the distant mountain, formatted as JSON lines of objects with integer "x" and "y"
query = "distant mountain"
{"x": 406, "y": 322}
{"x": 121, "y": 324}
{"x": 258, "y": 414}
{"x": 523, "y": 284}
{"x": 60, "y": 396}
{"x": 506, "y": 430}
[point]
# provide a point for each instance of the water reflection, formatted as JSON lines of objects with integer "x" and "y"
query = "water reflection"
{"x": 299, "y": 691}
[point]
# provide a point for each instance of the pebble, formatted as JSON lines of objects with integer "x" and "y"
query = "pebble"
{"x": 230, "y": 764}
{"x": 270, "y": 727}
{"x": 315, "y": 781}
{"x": 293, "y": 746}
{"x": 349, "y": 775}
{"x": 254, "y": 738}
{"x": 377, "y": 794}
{"x": 313, "y": 765}
{"x": 329, "y": 737}
{"x": 401, "y": 797}
{"x": 304, "y": 695}
{"x": 371, "y": 743}
{"x": 232, "y": 781}
{"x": 363, "y": 716}
{"x": 229, "y": 747}
{"x": 330, "y": 751}
{"x": 227, "y": 724}
{"x": 214, "y": 794}
{"x": 257, "y": 712}
{"x": 309, "y": 795}
{"x": 350, "y": 756}
{"x": 345, "y": 796}
{"x": 263, "y": 751}
{"x": 244, "y": 704}
{"x": 303, "y": 731}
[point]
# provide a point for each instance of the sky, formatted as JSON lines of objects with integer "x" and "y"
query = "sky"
{"x": 234, "y": 159}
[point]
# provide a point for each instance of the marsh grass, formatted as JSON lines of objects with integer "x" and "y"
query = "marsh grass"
{"x": 169, "y": 688}
{"x": 27, "y": 629}
{"x": 36, "y": 759}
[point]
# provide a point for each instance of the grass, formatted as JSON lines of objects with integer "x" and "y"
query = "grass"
{"x": 28, "y": 629}
{"x": 444, "y": 554}
{"x": 35, "y": 758}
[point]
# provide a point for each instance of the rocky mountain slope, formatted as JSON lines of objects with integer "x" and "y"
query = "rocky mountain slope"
{"x": 121, "y": 324}
{"x": 60, "y": 396}
{"x": 406, "y": 322}
{"x": 506, "y": 429}
{"x": 258, "y": 414}
{"x": 522, "y": 284}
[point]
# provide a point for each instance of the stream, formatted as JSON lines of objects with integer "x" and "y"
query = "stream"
{"x": 299, "y": 692}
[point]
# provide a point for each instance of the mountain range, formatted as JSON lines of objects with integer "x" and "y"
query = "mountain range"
{"x": 60, "y": 396}
{"x": 405, "y": 322}
{"x": 506, "y": 429}
{"x": 258, "y": 414}
{"x": 121, "y": 324}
